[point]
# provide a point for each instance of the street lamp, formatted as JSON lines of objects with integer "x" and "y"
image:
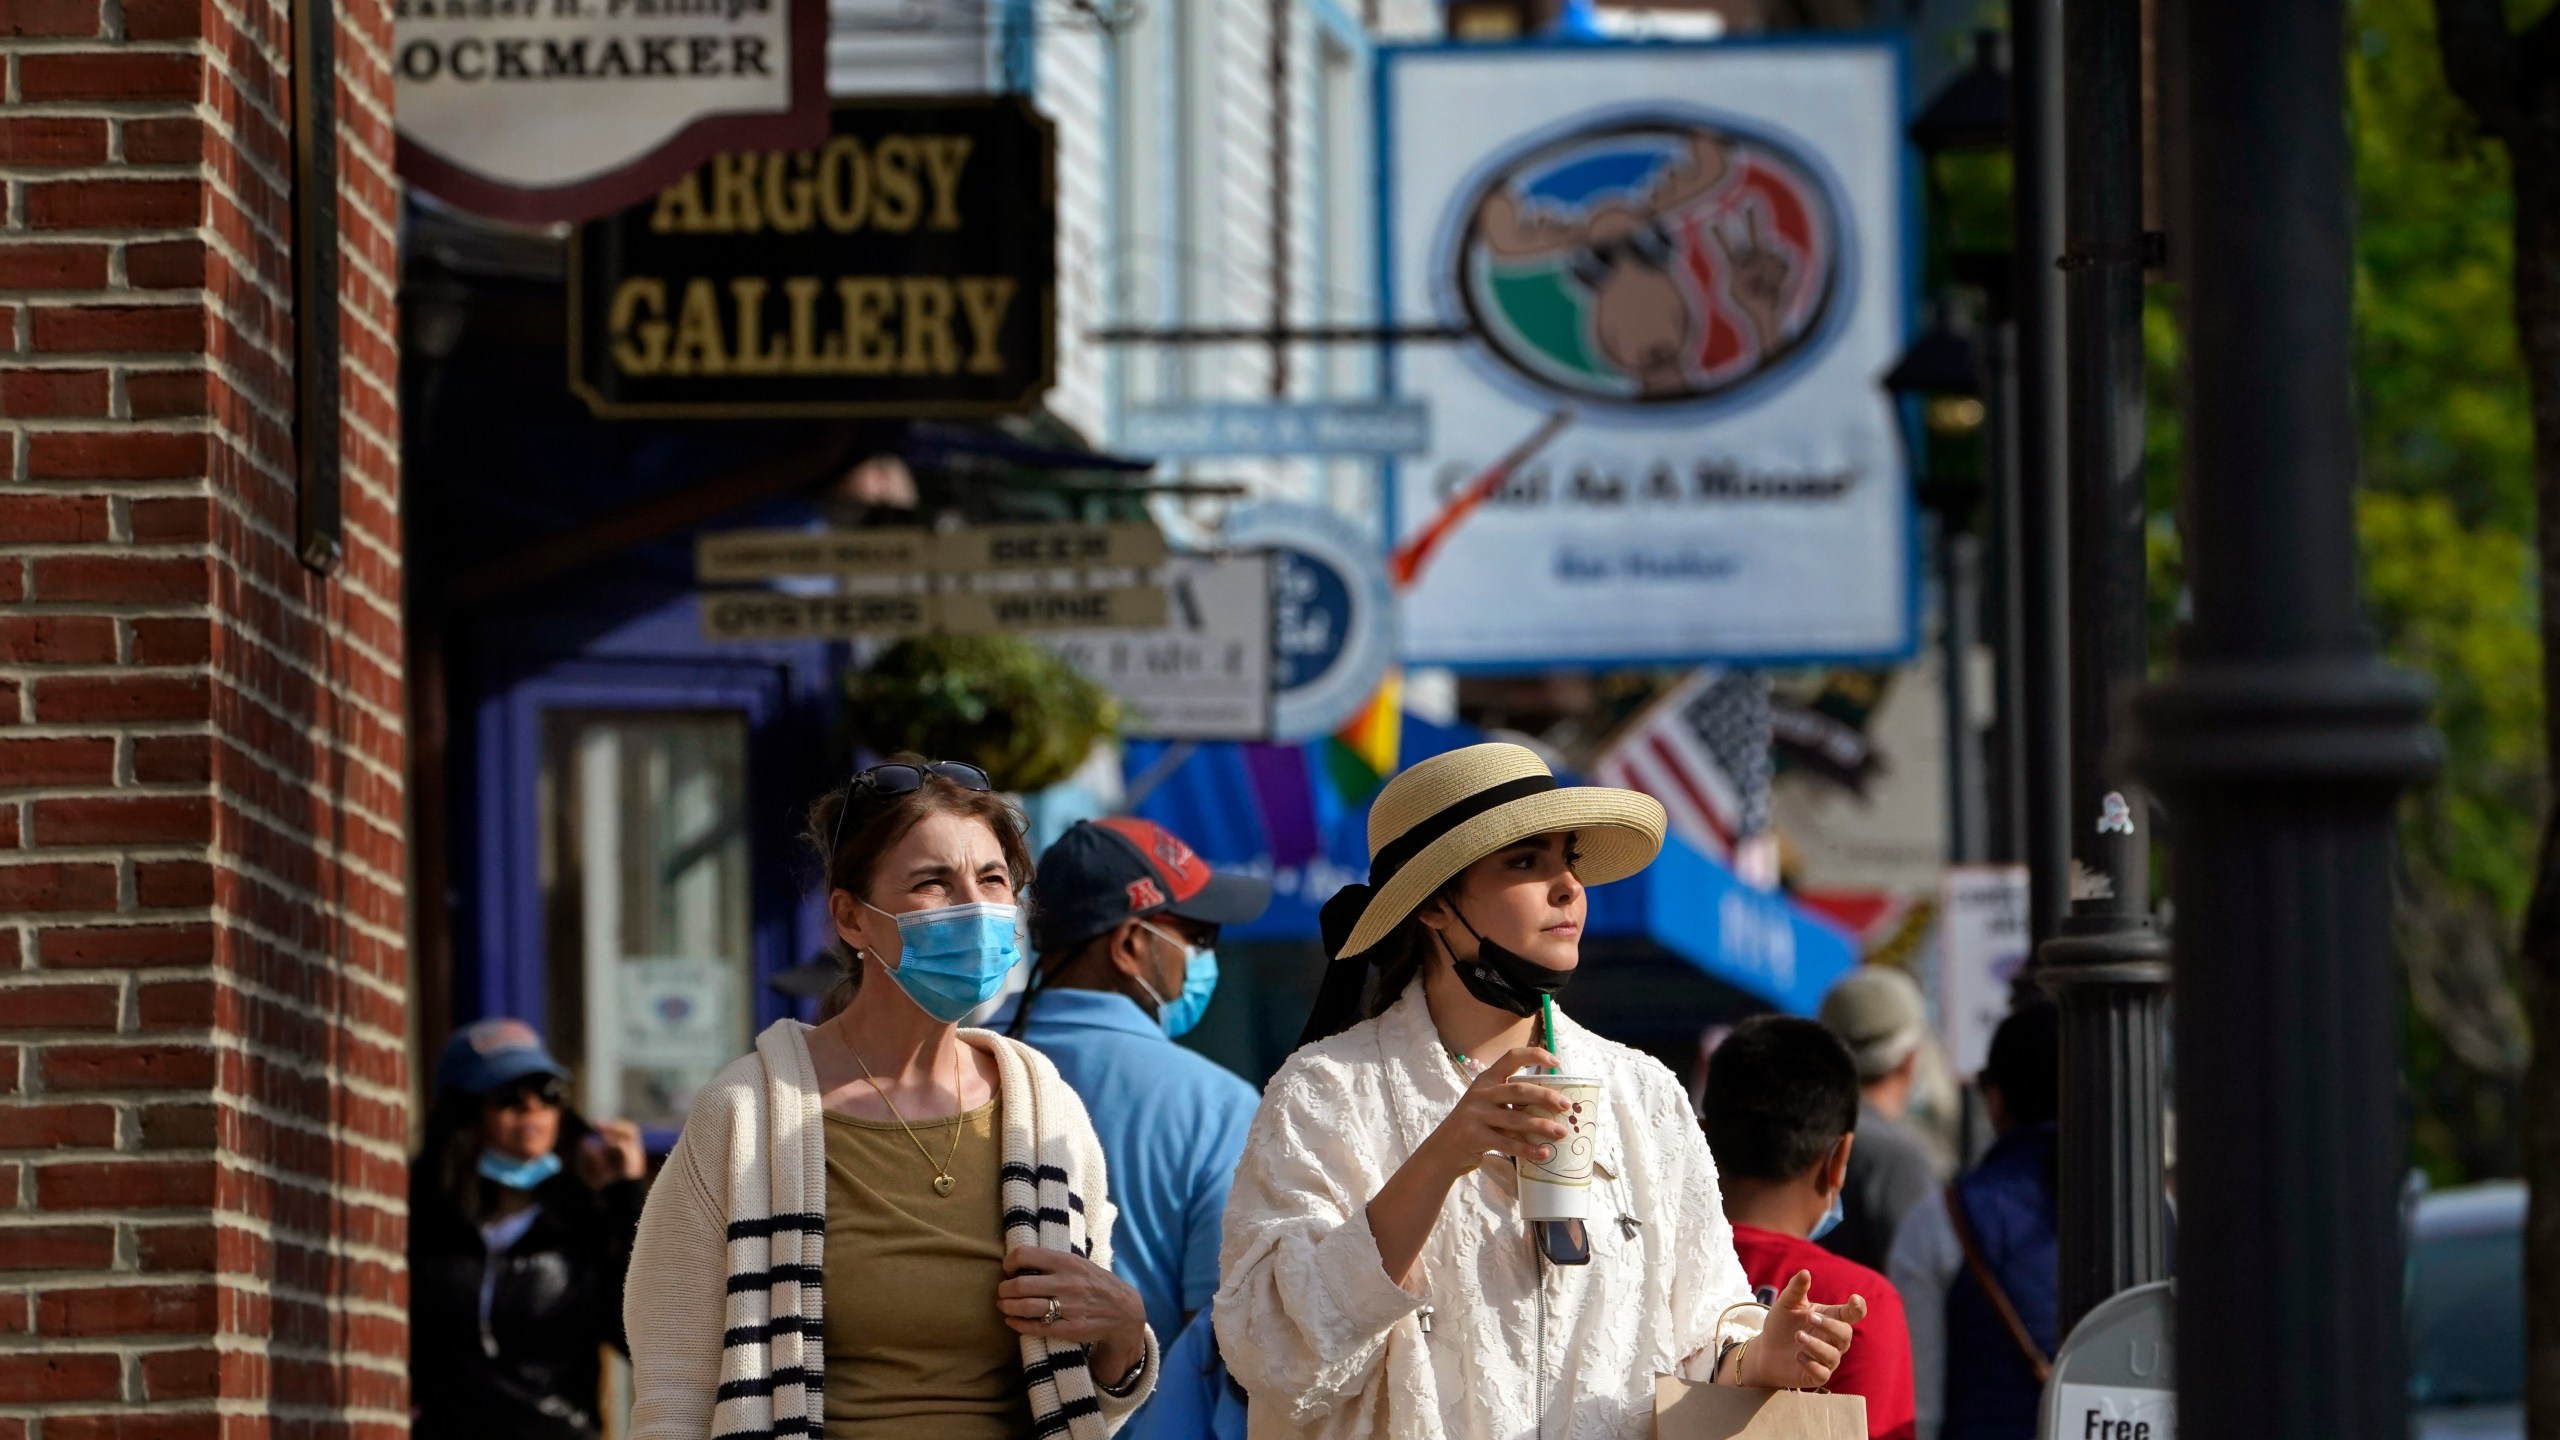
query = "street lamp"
{"x": 2106, "y": 964}
{"x": 1941, "y": 374}
{"x": 1969, "y": 121}
{"x": 2284, "y": 743}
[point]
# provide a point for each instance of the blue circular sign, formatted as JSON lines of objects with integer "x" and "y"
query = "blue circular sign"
{"x": 1330, "y": 604}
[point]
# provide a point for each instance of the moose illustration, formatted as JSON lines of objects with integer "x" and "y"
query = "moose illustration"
{"x": 1623, "y": 251}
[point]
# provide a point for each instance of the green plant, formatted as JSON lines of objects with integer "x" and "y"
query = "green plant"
{"x": 998, "y": 702}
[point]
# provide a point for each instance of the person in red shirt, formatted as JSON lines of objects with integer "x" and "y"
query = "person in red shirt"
{"x": 1780, "y": 1112}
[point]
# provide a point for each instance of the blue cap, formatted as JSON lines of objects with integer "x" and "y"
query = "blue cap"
{"x": 486, "y": 1054}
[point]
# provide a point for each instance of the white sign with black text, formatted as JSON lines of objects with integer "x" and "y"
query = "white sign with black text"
{"x": 1205, "y": 674}
{"x": 1691, "y": 259}
{"x": 1983, "y": 943}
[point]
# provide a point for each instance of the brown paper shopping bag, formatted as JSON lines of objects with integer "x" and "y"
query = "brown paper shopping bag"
{"x": 1686, "y": 1411}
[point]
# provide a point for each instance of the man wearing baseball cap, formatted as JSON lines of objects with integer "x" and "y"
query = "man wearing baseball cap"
{"x": 1125, "y": 918}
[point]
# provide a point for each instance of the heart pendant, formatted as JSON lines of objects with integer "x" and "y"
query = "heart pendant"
{"x": 942, "y": 1184}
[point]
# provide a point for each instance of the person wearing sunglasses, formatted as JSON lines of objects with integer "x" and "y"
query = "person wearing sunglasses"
{"x": 885, "y": 1224}
{"x": 520, "y": 1233}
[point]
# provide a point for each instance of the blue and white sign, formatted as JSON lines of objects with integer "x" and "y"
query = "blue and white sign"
{"x": 1697, "y": 255}
{"x": 1330, "y": 614}
{"x": 1344, "y": 427}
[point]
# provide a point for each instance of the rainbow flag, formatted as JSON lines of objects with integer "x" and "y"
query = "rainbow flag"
{"x": 1360, "y": 756}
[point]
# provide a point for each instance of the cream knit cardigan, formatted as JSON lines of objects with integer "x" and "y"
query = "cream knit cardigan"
{"x": 725, "y": 1304}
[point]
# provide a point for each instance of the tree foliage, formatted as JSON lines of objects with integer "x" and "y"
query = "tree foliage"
{"x": 2446, "y": 518}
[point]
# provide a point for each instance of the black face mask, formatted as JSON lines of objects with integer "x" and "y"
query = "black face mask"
{"x": 1503, "y": 979}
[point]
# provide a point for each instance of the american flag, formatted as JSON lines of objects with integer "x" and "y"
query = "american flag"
{"x": 1702, "y": 749}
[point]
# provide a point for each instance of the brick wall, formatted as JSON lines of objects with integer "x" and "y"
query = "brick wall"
{"x": 201, "y": 908}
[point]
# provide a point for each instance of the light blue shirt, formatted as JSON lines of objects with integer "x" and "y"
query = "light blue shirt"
{"x": 1172, "y": 1125}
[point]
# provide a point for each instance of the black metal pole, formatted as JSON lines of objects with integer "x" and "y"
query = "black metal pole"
{"x": 2106, "y": 965}
{"x": 1960, "y": 631}
{"x": 2002, "y": 618}
{"x": 2281, "y": 743}
{"x": 2035, "y": 116}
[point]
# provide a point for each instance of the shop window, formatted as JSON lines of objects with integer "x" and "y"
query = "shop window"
{"x": 646, "y": 886}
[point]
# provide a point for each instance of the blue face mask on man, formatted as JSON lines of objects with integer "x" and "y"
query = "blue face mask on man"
{"x": 953, "y": 959}
{"x": 1832, "y": 1217}
{"x": 1199, "y": 981}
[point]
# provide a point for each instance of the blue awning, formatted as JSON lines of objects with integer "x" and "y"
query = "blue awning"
{"x": 1269, "y": 810}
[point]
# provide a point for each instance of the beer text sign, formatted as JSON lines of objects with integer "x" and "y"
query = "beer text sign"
{"x": 905, "y": 267}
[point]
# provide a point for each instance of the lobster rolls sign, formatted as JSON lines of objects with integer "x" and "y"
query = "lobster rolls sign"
{"x": 1664, "y": 438}
{"x": 904, "y": 267}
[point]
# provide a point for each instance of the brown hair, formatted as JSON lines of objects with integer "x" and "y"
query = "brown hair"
{"x": 880, "y": 821}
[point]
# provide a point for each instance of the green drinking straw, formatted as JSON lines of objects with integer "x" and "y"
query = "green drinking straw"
{"x": 1548, "y": 1004}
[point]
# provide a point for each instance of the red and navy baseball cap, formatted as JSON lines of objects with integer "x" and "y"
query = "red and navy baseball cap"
{"x": 1102, "y": 872}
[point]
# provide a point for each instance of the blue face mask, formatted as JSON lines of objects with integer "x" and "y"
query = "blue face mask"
{"x": 518, "y": 1174}
{"x": 954, "y": 959}
{"x": 1832, "y": 1217}
{"x": 1199, "y": 981}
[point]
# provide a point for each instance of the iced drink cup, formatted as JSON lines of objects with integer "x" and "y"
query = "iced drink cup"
{"x": 1560, "y": 1189}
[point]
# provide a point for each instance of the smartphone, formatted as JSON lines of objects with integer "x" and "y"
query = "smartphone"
{"x": 1563, "y": 1242}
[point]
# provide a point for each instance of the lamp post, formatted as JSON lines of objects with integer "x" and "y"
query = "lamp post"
{"x": 1953, "y": 367}
{"x": 2035, "y": 117}
{"x": 1942, "y": 371}
{"x": 2283, "y": 743}
{"x": 2106, "y": 964}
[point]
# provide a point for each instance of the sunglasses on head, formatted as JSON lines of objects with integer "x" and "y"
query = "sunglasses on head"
{"x": 901, "y": 779}
{"x": 548, "y": 1089}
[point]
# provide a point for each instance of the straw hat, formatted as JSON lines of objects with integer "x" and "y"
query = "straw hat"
{"x": 1452, "y": 810}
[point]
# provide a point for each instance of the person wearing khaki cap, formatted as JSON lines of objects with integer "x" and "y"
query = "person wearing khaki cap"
{"x": 1877, "y": 1012}
{"x": 1441, "y": 1228}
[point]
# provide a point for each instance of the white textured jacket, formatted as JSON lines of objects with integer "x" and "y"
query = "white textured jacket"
{"x": 725, "y": 1307}
{"x": 1327, "y": 1345}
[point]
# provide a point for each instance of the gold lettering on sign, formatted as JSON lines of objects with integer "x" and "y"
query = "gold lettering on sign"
{"x": 867, "y": 325}
{"x": 640, "y": 344}
{"x": 697, "y": 350}
{"x": 985, "y": 298}
{"x": 944, "y": 156}
{"x": 895, "y": 206}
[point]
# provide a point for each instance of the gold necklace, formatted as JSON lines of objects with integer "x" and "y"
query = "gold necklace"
{"x": 942, "y": 1181}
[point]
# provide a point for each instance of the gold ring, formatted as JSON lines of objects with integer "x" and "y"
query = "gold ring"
{"x": 1052, "y": 1317}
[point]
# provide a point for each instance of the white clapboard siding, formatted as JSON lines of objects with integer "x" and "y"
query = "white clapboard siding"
{"x": 1071, "y": 90}
{"x": 909, "y": 47}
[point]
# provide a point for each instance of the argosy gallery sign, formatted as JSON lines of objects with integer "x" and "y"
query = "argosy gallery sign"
{"x": 904, "y": 267}
{"x": 544, "y": 110}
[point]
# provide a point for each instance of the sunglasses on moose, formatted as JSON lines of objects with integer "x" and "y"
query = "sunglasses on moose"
{"x": 900, "y": 779}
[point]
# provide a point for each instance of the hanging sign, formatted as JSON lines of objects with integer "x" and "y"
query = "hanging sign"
{"x": 1982, "y": 945}
{"x": 904, "y": 267}
{"x": 544, "y": 110}
{"x": 1319, "y": 427}
{"x": 739, "y": 555}
{"x": 1330, "y": 641}
{"x": 1691, "y": 261}
{"x": 1205, "y": 674}
{"x": 759, "y": 615}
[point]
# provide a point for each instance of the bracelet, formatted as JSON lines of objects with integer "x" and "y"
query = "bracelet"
{"x": 1128, "y": 1385}
{"x": 1724, "y": 1352}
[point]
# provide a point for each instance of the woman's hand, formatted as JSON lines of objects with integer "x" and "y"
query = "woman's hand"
{"x": 1498, "y": 1115}
{"x": 1094, "y": 1307}
{"x": 613, "y": 1152}
{"x": 1801, "y": 1343}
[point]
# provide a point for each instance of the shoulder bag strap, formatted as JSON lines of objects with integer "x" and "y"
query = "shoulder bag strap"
{"x": 1982, "y": 1276}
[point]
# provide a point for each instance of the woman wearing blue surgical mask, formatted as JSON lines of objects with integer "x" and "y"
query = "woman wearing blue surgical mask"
{"x": 520, "y": 1227}
{"x": 886, "y": 1224}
